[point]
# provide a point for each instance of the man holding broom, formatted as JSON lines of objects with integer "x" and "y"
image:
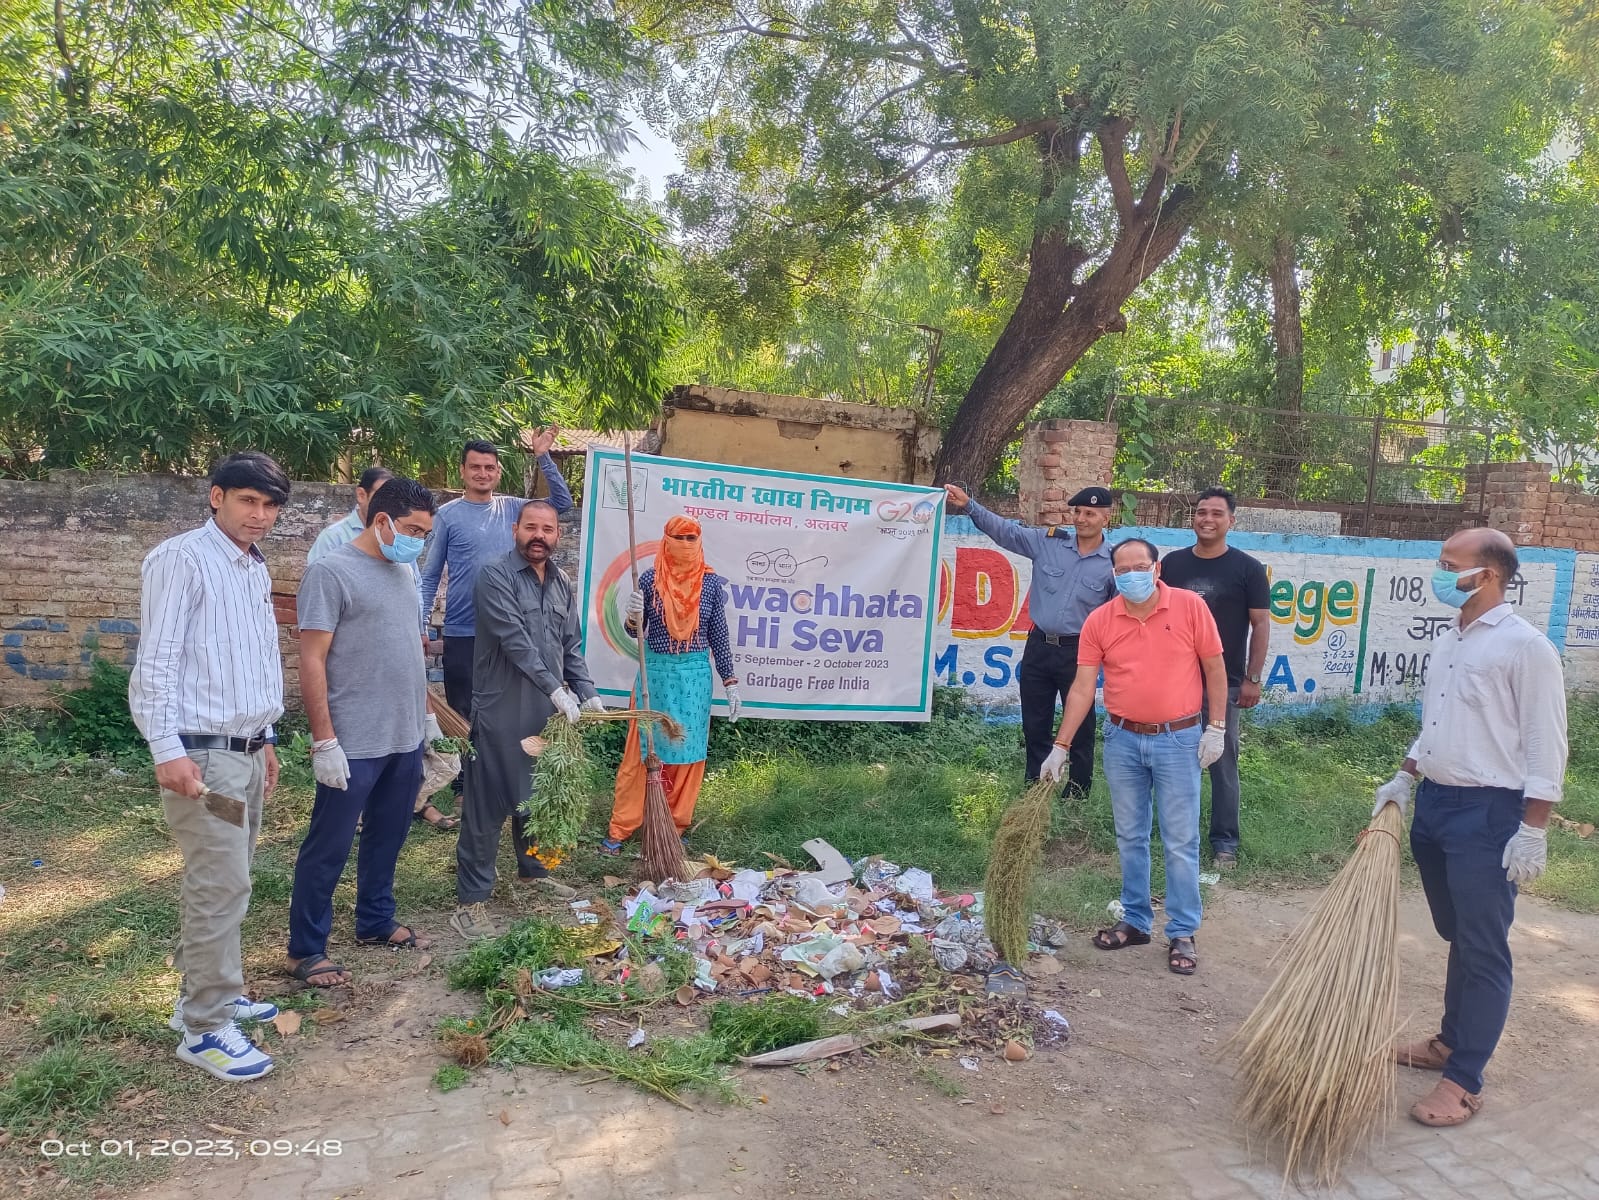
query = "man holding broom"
{"x": 1491, "y": 757}
{"x": 1071, "y": 578}
{"x": 1163, "y": 668}
{"x": 527, "y": 670}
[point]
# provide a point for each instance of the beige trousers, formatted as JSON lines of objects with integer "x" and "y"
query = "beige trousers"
{"x": 216, "y": 885}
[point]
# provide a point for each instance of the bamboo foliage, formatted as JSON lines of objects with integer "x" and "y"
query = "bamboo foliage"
{"x": 1013, "y": 862}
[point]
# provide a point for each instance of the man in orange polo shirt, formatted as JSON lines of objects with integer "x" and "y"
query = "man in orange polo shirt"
{"x": 1162, "y": 658}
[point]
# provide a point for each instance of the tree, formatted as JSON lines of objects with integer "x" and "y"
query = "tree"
{"x": 1104, "y": 129}
{"x": 315, "y": 228}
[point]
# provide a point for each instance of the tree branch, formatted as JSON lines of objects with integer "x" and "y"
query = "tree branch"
{"x": 1113, "y": 150}
{"x": 1004, "y": 137}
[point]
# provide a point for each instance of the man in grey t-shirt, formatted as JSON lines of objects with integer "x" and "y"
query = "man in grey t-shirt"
{"x": 364, "y": 686}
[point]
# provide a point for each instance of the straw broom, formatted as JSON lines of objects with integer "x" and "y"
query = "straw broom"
{"x": 1013, "y": 861}
{"x": 663, "y": 848}
{"x": 1314, "y": 1058}
{"x": 451, "y": 723}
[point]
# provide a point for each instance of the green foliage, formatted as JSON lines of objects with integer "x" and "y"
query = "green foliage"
{"x": 66, "y": 1080}
{"x": 314, "y": 227}
{"x": 666, "y": 1065}
{"x": 96, "y": 720}
{"x": 450, "y": 1076}
{"x": 769, "y": 1024}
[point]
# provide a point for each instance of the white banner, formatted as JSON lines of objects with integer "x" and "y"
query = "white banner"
{"x": 829, "y": 580}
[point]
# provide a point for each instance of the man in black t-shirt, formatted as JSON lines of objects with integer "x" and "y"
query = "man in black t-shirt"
{"x": 1234, "y": 587}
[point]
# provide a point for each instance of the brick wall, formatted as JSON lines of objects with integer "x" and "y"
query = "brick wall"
{"x": 1058, "y": 458}
{"x": 69, "y": 578}
{"x": 1431, "y": 522}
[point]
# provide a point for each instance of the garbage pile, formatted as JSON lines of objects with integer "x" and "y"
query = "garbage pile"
{"x": 842, "y": 929}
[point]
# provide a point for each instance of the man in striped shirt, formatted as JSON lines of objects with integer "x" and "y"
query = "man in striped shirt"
{"x": 206, "y": 687}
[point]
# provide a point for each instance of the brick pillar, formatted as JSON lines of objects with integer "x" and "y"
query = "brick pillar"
{"x": 1515, "y": 498}
{"x": 1058, "y": 457}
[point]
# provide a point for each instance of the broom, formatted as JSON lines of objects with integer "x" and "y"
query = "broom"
{"x": 1013, "y": 860}
{"x": 451, "y": 723}
{"x": 663, "y": 848}
{"x": 1314, "y": 1057}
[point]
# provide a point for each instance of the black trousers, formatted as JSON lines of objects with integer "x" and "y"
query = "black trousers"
{"x": 1046, "y": 674}
{"x": 458, "y": 652}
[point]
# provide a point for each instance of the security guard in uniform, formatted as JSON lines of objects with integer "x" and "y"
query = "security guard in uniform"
{"x": 1071, "y": 578}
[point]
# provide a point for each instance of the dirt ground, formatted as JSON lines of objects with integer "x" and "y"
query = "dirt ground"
{"x": 1137, "y": 1104}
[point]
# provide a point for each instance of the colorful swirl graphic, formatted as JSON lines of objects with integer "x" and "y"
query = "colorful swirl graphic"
{"x": 610, "y": 607}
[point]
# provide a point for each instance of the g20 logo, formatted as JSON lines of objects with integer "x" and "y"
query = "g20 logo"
{"x": 917, "y": 512}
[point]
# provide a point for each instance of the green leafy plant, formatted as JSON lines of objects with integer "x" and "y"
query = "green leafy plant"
{"x": 95, "y": 718}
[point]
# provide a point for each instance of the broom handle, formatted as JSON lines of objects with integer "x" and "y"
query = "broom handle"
{"x": 632, "y": 554}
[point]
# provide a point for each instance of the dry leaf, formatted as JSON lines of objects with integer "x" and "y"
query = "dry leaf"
{"x": 423, "y": 962}
{"x": 505, "y": 1117}
{"x": 611, "y": 881}
{"x": 287, "y": 1022}
{"x": 1043, "y": 966}
{"x": 327, "y": 1016}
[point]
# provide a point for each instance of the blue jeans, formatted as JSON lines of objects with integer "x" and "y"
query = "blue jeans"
{"x": 383, "y": 792}
{"x": 1458, "y": 837}
{"x": 1166, "y": 764}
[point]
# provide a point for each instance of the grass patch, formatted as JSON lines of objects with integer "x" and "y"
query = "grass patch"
{"x": 450, "y": 1076}
{"x": 66, "y": 1081}
{"x": 745, "y": 1029}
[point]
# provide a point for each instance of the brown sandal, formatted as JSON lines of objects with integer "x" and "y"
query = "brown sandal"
{"x": 1428, "y": 1055}
{"x": 1447, "y": 1104}
{"x": 1119, "y": 936}
{"x": 1181, "y": 950}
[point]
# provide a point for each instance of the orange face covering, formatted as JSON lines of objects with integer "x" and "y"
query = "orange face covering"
{"x": 680, "y": 573}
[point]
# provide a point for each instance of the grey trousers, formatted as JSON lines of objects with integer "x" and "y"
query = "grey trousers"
{"x": 216, "y": 885}
{"x": 1224, "y": 789}
{"x": 499, "y": 778}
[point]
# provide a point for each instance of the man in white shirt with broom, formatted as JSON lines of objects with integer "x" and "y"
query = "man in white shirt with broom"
{"x": 1491, "y": 757}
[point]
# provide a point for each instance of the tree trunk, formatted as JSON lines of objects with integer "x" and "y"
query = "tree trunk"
{"x": 1288, "y": 367}
{"x": 1053, "y": 325}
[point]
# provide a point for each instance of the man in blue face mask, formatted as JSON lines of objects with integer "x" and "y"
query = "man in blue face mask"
{"x": 364, "y": 686}
{"x": 1162, "y": 658}
{"x": 1491, "y": 756}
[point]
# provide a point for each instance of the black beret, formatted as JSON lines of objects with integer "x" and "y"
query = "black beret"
{"x": 1091, "y": 497}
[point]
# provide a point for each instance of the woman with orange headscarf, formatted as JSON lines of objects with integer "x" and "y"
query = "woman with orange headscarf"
{"x": 679, "y": 609}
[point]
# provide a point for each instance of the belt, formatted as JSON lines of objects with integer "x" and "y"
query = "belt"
{"x": 1052, "y": 639}
{"x": 1162, "y": 727}
{"x": 217, "y": 741}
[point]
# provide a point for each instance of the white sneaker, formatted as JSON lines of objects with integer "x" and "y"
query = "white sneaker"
{"x": 244, "y": 1009}
{"x": 225, "y": 1053}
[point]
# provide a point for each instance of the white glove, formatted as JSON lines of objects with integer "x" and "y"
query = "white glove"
{"x": 593, "y": 704}
{"x": 734, "y": 703}
{"x": 566, "y": 703}
{"x": 430, "y": 729}
{"x": 329, "y": 765}
{"x": 1526, "y": 854}
{"x": 635, "y": 607}
{"x": 1396, "y": 791}
{"x": 1211, "y": 744}
{"x": 1055, "y": 765}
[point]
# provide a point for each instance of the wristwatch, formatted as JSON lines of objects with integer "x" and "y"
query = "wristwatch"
{"x": 1254, "y": 679}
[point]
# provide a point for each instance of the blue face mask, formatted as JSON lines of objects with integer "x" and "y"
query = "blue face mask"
{"x": 1446, "y": 586}
{"x": 404, "y": 548}
{"x": 1136, "y": 586}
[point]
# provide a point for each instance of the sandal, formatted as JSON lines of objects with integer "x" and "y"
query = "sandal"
{"x": 438, "y": 820}
{"x": 1447, "y": 1104}
{"x": 318, "y": 964}
{"x": 1428, "y": 1055}
{"x": 1119, "y": 936}
{"x": 408, "y": 942}
{"x": 1005, "y": 980}
{"x": 1181, "y": 950}
{"x": 610, "y": 846}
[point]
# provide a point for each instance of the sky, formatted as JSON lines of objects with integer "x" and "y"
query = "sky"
{"x": 652, "y": 158}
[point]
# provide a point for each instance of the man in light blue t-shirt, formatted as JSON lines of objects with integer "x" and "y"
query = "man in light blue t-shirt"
{"x": 467, "y": 533}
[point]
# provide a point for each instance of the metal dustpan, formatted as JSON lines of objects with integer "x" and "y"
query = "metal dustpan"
{"x": 225, "y": 807}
